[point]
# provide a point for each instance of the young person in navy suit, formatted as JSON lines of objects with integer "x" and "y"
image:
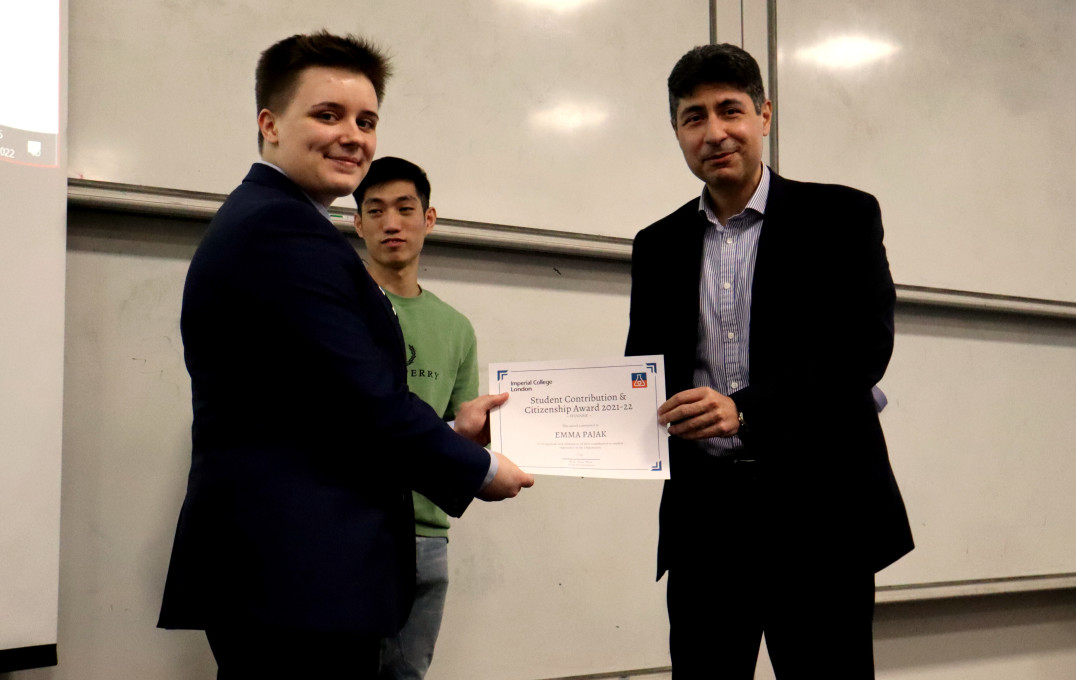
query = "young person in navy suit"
{"x": 773, "y": 304}
{"x": 295, "y": 545}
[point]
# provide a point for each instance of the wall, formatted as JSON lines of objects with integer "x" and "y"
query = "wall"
{"x": 126, "y": 456}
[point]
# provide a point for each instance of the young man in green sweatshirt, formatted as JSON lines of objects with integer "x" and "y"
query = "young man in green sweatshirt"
{"x": 394, "y": 216}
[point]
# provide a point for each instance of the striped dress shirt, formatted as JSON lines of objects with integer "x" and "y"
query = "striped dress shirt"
{"x": 728, "y": 268}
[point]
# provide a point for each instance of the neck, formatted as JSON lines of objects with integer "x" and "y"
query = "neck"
{"x": 402, "y": 282}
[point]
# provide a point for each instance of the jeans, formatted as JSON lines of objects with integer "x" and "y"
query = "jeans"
{"x": 407, "y": 656}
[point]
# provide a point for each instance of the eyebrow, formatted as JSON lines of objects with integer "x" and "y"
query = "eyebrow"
{"x": 336, "y": 105}
{"x": 398, "y": 199}
{"x": 724, "y": 103}
{"x": 694, "y": 108}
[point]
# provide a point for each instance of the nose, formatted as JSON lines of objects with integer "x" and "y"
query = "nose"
{"x": 391, "y": 223}
{"x": 715, "y": 131}
{"x": 352, "y": 136}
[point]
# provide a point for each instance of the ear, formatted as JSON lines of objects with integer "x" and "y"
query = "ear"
{"x": 267, "y": 125}
{"x": 431, "y": 218}
{"x": 767, "y": 117}
{"x": 358, "y": 223}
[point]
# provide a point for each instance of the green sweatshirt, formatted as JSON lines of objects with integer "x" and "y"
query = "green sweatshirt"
{"x": 442, "y": 369}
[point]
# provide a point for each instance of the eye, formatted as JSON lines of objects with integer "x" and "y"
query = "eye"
{"x": 366, "y": 124}
{"x": 407, "y": 210}
{"x": 327, "y": 116}
{"x": 373, "y": 212}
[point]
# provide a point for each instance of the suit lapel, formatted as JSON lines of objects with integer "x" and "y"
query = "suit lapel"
{"x": 393, "y": 319}
{"x": 773, "y": 225}
{"x": 684, "y": 262}
{"x": 693, "y": 273}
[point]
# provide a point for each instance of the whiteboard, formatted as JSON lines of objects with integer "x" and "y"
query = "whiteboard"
{"x": 961, "y": 127}
{"x": 983, "y": 445}
{"x": 561, "y": 578}
{"x": 531, "y": 113}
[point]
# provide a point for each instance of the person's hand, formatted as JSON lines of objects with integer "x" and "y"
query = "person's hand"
{"x": 700, "y": 413}
{"x": 508, "y": 481}
{"x": 472, "y": 419}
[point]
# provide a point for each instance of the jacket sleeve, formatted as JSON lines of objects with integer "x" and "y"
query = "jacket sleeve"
{"x": 327, "y": 307}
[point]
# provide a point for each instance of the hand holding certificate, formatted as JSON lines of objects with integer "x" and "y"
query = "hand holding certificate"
{"x": 594, "y": 418}
{"x": 472, "y": 422}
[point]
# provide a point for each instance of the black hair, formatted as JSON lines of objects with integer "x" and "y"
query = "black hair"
{"x": 715, "y": 64}
{"x": 390, "y": 169}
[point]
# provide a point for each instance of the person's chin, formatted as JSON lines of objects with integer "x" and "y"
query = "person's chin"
{"x": 724, "y": 176}
{"x": 336, "y": 169}
{"x": 344, "y": 184}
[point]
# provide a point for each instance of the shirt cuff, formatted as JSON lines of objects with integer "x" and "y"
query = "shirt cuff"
{"x": 880, "y": 400}
{"x": 493, "y": 465}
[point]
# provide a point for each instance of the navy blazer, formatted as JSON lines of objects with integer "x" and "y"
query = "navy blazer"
{"x": 306, "y": 440}
{"x": 821, "y": 335}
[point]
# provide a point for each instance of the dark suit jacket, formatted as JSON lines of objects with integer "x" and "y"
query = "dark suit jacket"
{"x": 306, "y": 441}
{"x": 821, "y": 335}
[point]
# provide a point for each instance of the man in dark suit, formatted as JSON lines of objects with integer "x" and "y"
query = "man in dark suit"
{"x": 773, "y": 304}
{"x": 295, "y": 548}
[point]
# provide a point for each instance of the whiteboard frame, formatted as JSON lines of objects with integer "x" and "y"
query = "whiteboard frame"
{"x": 202, "y": 206}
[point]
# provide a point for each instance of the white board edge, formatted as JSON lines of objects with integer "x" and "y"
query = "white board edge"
{"x": 198, "y": 205}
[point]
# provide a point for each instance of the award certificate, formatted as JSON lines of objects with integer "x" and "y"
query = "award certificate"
{"x": 587, "y": 418}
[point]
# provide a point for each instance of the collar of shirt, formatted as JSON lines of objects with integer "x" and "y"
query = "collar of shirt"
{"x": 757, "y": 202}
{"x": 321, "y": 209}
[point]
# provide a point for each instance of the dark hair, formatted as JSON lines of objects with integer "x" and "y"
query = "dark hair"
{"x": 390, "y": 169}
{"x": 279, "y": 67}
{"x": 715, "y": 64}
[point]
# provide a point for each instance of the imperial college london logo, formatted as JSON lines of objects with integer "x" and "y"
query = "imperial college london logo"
{"x": 638, "y": 380}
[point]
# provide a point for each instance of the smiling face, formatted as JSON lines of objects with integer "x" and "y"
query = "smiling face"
{"x": 326, "y": 136}
{"x": 720, "y": 134}
{"x": 393, "y": 224}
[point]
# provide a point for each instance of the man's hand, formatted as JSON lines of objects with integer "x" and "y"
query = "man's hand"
{"x": 700, "y": 413}
{"x": 472, "y": 419}
{"x": 508, "y": 481}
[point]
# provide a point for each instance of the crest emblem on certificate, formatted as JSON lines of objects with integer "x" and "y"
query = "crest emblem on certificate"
{"x": 638, "y": 380}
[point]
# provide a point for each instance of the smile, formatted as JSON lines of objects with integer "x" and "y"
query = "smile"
{"x": 719, "y": 157}
{"x": 346, "y": 161}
